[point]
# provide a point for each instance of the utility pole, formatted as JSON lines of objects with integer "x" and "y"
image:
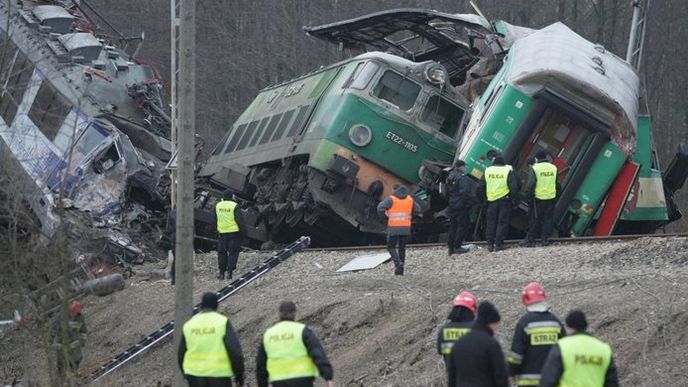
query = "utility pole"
{"x": 185, "y": 175}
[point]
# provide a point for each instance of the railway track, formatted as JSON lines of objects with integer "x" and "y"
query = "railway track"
{"x": 568, "y": 240}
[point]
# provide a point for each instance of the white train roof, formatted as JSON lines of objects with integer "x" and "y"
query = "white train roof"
{"x": 584, "y": 73}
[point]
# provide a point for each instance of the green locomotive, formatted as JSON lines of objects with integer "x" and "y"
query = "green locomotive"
{"x": 320, "y": 151}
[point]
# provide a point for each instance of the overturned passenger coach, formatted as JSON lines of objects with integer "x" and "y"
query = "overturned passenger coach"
{"x": 82, "y": 123}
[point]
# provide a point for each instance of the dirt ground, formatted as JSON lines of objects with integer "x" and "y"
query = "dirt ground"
{"x": 380, "y": 330}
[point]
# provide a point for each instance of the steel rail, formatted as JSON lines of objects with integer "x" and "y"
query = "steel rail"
{"x": 566, "y": 240}
{"x": 166, "y": 330}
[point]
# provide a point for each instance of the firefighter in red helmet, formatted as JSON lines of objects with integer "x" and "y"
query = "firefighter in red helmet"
{"x": 460, "y": 319}
{"x": 68, "y": 342}
{"x": 536, "y": 332}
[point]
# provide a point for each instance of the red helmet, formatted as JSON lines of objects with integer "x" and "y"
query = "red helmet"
{"x": 74, "y": 308}
{"x": 532, "y": 293}
{"x": 467, "y": 300}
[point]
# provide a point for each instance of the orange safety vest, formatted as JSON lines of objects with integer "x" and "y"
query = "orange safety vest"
{"x": 399, "y": 215}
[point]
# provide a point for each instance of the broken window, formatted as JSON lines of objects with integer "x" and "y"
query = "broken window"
{"x": 108, "y": 160}
{"x": 397, "y": 90}
{"x": 442, "y": 115}
{"x": 93, "y": 136}
{"x": 362, "y": 75}
{"x": 13, "y": 83}
{"x": 49, "y": 110}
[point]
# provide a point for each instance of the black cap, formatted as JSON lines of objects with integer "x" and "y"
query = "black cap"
{"x": 287, "y": 307}
{"x": 541, "y": 155}
{"x": 487, "y": 313}
{"x": 576, "y": 320}
{"x": 209, "y": 300}
{"x": 531, "y": 160}
{"x": 227, "y": 194}
{"x": 459, "y": 163}
{"x": 498, "y": 160}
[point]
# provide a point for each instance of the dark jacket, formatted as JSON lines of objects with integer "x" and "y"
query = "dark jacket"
{"x": 386, "y": 204}
{"x": 554, "y": 368}
{"x": 460, "y": 189}
{"x": 477, "y": 360}
{"x": 525, "y": 358}
{"x": 232, "y": 346}
{"x": 315, "y": 351}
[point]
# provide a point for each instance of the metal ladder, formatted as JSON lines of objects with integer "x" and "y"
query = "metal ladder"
{"x": 224, "y": 293}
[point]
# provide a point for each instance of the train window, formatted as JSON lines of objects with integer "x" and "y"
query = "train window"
{"x": 362, "y": 75}
{"x": 49, "y": 110}
{"x": 14, "y": 83}
{"x": 283, "y": 125}
{"x": 259, "y": 131}
{"x": 396, "y": 89}
{"x": 238, "y": 132}
{"x": 442, "y": 115}
{"x": 89, "y": 140}
{"x": 298, "y": 122}
{"x": 250, "y": 131}
{"x": 222, "y": 143}
{"x": 270, "y": 130}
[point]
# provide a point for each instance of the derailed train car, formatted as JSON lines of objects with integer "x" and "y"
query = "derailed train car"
{"x": 82, "y": 124}
{"x": 532, "y": 90}
{"x": 320, "y": 151}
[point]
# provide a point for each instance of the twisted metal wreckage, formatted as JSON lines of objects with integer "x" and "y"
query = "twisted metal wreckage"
{"x": 83, "y": 126}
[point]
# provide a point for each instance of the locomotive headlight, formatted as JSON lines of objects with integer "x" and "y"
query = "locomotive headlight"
{"x": 436, "y": 74}
{"x": 360, "y": 135}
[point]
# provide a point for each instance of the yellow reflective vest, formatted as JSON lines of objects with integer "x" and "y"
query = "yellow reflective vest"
{"x": 545, "y": 181}
{"x": 225, "y": 217}
{"x": 496, "y": 184}
{"x": 206, "y": 355}
{"x": 585, "y": 360}
{"x": 287, "y": 355}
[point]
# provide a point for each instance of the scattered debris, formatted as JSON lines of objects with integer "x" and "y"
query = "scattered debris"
{"x": 365, "y": 262}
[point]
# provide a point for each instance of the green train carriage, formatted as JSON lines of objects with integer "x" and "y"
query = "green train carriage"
{"x": 563, "y": 94}
{"x": 320, "y": 151}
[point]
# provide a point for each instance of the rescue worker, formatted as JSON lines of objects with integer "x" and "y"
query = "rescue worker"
{"x": 542, "y": 190}
{"x": 460, "y": 202}
{"x": 460, "y": 320}
{"x": 579, "y": 359}
{"x": 290, "y": 354}
{"x": 232, "y": 231}
{"x": 209, "y": 352}
{"x": 68, "y": 343}
{"x": 399, "y": 208}
{"x": 536, "y": 332}
{"x": 477, "y": 359}
{"x": 501, "y": 184}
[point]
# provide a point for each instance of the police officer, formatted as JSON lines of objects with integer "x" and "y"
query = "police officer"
{"x": 536, "y": 332}
{"x": 460, "y": 202}
{"x": 231, "y": 230}
{"x": 500, "y": 185}
{"x": 399, "y": 208}
{"x": 290, "y": 354}
{"x": 460, "y": 320}
{"x": 209, "y": 352}
{"x": 579, "y": 359}
{"x": 543, "y": 188}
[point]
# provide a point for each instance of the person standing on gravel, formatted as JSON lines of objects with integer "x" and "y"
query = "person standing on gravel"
{"x": 477, "y": 359}
{"x": 209, "y": 351}
{"x": 290, "y": 354}
{"x": 500, "y": 186}
{"x": 231, "y": 232}
{"x": 542, "y": 190}
{"x": 460, "y": 202}
{"x": 536, "y": 333}
{"x": 399, "y": 208}
{"x": 579, "y": 359}
{"x": 460, "y": 320}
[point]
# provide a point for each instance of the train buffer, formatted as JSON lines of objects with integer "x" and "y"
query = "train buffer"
{"x": 166, "y": 330}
